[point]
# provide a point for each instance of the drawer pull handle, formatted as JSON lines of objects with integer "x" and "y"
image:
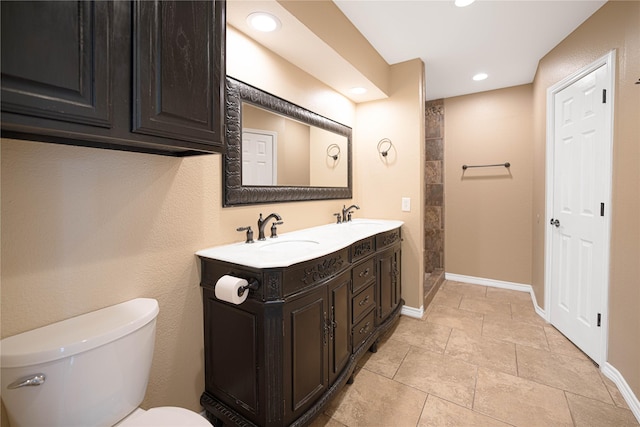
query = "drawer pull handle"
{"x": 364, "y": 273}
{"x": 365, "y": 328}
{"x": 364, "y": 301}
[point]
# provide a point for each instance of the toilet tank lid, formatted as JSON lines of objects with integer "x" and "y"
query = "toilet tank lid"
{"x": 77, "y": 334}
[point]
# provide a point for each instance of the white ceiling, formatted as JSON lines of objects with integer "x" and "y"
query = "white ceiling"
{"x": 504, "y": 39}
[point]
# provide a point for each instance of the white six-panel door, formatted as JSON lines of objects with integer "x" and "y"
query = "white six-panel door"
{"x": 580, "y": 210}
{"x": 259, "y": 157}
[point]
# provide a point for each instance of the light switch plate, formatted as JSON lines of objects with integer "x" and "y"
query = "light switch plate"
{"x": 406, "y": 204}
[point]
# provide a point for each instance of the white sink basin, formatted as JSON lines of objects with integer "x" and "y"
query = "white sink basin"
{"x": 299, "y": 246}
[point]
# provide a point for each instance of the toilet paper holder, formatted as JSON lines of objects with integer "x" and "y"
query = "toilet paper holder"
{"x": 252, "y": 284}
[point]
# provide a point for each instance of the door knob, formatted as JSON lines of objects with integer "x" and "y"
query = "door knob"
{"x": 555, "y": 222}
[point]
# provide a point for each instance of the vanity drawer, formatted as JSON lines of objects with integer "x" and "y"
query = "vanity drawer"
{"x": 388, "y": 238}
{"x": 362, "y": 274}
{"x": 363, "y": 248}
{"x": 305, "y": 275}
{"x": 362, "y": 330}
{"x": 363, "y": 302}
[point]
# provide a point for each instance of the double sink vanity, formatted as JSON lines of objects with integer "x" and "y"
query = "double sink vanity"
{"x": 320, "y": 298}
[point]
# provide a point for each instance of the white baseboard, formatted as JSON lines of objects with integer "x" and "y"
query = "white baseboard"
{"x": 488, "y": 282}
{"x": 521, "y": 287}
{"x": 614, "y": 375}
{"x": 607, "y": 369}
{"x": 412, "y": 312}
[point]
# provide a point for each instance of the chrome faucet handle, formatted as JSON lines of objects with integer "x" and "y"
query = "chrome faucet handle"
{"x": 274, "y": 230}
{"x": 249, "y": 233}
{"x": 338, "y": 217}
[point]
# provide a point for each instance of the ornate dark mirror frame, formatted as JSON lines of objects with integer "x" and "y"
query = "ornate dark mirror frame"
{"x": 235, "y": 193}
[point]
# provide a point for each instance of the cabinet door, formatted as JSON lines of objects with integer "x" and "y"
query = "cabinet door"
{"x": 340, "y": 328}
{"x": 56, "y": 61}
{"x": 231, "y": 341}
{"x": 179, "y": 70}
{"x": 388, "y": 282}
{"x": 306, "y": 330}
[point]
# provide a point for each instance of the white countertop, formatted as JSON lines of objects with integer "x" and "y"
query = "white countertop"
{"x": 298, "y": 246}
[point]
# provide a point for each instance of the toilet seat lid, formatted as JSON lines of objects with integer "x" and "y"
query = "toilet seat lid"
{"x": 166, "y": 416}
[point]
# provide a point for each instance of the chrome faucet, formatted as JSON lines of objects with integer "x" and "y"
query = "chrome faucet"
{"x": 263, "y": 222}
{"x": 346, "y": 212}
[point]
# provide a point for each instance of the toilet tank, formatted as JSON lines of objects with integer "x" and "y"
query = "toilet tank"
{"x": 93, "y": 369}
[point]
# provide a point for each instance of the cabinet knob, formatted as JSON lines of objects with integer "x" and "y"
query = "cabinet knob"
{"x": 364, "y": 301}
{"x": 365, "y": 328}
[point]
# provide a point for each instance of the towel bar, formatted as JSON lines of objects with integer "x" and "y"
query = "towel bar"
{"x": 506, "y": 165}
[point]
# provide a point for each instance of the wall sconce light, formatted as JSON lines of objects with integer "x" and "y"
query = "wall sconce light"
{"x": 333, "y": 151}
{"x": 384, "y": 145}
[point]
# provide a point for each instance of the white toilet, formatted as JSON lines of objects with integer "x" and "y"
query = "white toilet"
{"x": 90, "y": 370}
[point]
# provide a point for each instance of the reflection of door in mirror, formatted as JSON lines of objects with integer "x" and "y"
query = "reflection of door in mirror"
{"x": 259, "y": 157}
{"x": 290, "y": 156}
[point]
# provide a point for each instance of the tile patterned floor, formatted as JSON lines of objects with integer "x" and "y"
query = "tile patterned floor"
{"x": 479, "y": 357}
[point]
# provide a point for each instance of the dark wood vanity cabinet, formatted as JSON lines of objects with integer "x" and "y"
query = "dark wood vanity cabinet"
{"x": 142, "y": 76}
{"x": 317, "y": 343}
{"x": 280, "y": 356}
{"x": 388, "y": 271}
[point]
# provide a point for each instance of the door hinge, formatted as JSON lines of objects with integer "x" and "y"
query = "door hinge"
{"x": 599, "y": 319}
{"x": 604, "y": 96}
{"x": 601, "y": 209}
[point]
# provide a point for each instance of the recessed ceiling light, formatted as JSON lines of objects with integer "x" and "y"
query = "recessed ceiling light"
{"x": 463, "y": 3}
{"x": 263, "y": 21}
{"x": 358, "y": 90}
{"x": 480, "y": 76}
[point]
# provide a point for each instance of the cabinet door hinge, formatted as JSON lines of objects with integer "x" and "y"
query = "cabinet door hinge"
{"x": 599, "y": 319}
{"x": 604, "y": 96}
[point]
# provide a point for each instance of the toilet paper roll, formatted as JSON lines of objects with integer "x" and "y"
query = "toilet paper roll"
{"x": 227, "y": 289}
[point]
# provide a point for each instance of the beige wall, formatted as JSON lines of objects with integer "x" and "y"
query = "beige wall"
{"x": 382, "y": 182}
{"x": 488, "y": 210}
{"x": 84, "y": 228}
{"x": 614, "y": 26}
{"x": 251, "y": 63}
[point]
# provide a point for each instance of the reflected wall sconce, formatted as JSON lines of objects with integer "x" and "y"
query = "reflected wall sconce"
{"x": 333, "y": 151}
{"x": 384, "y": 145}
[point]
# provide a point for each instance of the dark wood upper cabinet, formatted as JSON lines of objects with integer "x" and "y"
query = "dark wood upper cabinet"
{"x": 55, "y": 61}
{"x": 142, "y": 76}
{"x": 177, "y": 86}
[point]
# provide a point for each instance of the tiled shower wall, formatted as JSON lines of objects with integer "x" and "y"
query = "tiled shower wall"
{"x": 434, "y": 187}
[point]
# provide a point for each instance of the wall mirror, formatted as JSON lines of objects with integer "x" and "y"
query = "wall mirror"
{"x": 277, "y": 151}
